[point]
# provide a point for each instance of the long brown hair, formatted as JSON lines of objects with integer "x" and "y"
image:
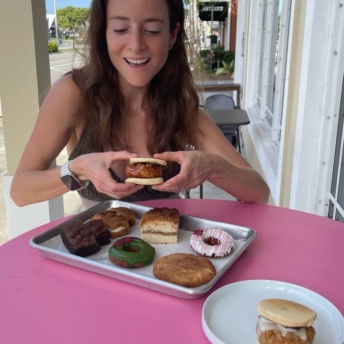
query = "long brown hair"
{"x": 174, "y": 101}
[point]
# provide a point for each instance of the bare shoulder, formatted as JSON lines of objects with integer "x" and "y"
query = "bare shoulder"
{"x": 66, "y": 87}
{"x": 203, "y": 116}
{"x": 64, "y": 102}
{"x": 205, "y": 122}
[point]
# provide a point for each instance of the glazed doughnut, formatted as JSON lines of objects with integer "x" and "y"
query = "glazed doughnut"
{"x": 131, "y": 252}
{"x": 212, "y": 242}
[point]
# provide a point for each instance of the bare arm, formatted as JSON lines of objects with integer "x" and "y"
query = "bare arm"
{"x": 62, "y": 117}
{"x": 34, "y": 179}
{"x": 217, "y": 161}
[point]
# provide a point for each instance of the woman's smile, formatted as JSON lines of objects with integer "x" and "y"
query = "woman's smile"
{"x": 137, "y": 62}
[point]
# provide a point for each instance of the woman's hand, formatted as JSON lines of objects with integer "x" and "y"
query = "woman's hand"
{"x": 234, "y": 176}
{"x": 195, "y": 167}
{"x": 95, "y": 168}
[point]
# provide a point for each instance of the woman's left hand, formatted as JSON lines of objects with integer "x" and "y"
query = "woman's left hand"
{"x": 234, "y": 175}
{"x": 194, "y": 169}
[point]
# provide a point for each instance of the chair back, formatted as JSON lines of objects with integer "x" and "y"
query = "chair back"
{"x": 219, "y": 102}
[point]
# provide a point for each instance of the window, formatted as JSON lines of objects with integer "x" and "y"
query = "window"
{"x": 272, "y": 41}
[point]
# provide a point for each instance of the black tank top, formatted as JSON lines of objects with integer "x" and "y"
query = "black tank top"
{"x": 144, "y": 194}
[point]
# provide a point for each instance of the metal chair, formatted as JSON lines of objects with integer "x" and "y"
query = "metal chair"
{"x": 186, "y": 192}
{"x": 219, "y": 102}
{"x": 224, "y": 102}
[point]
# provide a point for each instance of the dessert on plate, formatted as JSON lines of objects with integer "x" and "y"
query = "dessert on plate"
{"x": 284, "y": 322}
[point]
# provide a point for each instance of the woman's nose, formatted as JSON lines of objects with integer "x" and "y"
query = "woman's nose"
{"x": 137, "y": 41}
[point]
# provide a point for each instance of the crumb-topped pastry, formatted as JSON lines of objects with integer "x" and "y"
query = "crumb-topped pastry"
{"x": 160, "y": 226}
{"x": 86, "y": 238}
{"x": 118, "y": 220}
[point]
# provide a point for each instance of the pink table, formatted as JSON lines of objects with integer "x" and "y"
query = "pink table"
{"x": 43, "y": 301}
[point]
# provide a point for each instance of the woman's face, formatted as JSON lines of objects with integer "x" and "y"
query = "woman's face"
{"x": 138, "y": 38}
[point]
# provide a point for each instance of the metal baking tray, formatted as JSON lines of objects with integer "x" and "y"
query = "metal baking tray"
{"x": 50, "y": 245}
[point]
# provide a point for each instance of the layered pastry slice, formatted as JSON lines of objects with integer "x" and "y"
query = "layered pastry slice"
{"x": 160, "y": 226}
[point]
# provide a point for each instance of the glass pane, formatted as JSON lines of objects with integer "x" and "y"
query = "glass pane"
{"x": 338, "y": 165}
{"x": 339, "y": 217}
{"x": 277, "y": 10}
{"x": 331, "y": 210}
{"x": 263, "y": 33}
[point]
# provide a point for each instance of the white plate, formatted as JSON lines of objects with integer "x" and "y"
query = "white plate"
{"x": 230, "y": 315}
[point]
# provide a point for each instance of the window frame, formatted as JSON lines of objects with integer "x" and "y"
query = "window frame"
{"x": 267, "y": 139}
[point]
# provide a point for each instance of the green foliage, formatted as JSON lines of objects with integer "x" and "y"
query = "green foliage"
{"x": 199, "y": 64}
{"x": 204, "y": 53}
{"x": 53, "y": 47}
{"x": 228, "y": 68}
{"x": 226, "y": 57}
{"x": 69, "y": 18}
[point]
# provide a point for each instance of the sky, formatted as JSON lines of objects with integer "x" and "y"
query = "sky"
{"x": 49, "y": 4}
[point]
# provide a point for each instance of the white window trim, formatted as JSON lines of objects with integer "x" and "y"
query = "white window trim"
{"x": 310, "y": 156}
{"x": 266, "y": 153}
{"x": 283, "y": 70}
{"x": 269, "y": 158}
{"x": 313, "y": 147}
{"x": 334, "y": 84}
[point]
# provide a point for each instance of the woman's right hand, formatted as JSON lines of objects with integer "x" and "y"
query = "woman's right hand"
{"x": 95, "y": 167}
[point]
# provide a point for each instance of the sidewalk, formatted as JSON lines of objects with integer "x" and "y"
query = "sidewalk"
{"x": 3, "y": 171}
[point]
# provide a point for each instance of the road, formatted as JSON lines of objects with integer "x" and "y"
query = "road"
{"x": 60, "y": 63}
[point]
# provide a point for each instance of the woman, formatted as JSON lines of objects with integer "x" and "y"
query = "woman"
{"x": 133, "y": 98}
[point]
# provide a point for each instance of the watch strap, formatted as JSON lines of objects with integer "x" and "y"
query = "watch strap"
{"x": 65, "y": 172}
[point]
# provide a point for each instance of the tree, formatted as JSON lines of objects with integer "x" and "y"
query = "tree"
{"x": 69, "y": 18}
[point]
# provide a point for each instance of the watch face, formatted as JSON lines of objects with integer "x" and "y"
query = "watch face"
{"x": 70, "y": 182}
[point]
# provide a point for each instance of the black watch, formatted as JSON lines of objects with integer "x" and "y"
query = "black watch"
{"x": 69, "y": 179}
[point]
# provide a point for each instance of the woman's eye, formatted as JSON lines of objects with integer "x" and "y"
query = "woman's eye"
{"x": 120, "y": 31}
{"x": 152, "y": 32}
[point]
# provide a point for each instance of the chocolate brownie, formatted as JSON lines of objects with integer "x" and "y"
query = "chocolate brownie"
{"x": 86, "y": 238}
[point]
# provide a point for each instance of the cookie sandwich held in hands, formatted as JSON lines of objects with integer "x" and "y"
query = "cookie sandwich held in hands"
{"x": 145, "y": 171}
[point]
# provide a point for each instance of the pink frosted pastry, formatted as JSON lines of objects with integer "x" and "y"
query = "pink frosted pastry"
{"x": 212, "y": 242}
